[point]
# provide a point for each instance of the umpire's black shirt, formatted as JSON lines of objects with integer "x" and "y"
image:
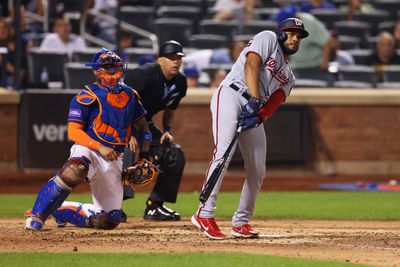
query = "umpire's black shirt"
{"x": 156, "y": 93}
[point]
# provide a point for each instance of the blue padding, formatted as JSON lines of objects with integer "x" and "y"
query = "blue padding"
{"x": 49, "y": 198}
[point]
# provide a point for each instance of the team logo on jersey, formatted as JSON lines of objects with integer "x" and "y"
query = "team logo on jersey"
{"x": 276, "y": 73}
{"x": 74, "y": 113}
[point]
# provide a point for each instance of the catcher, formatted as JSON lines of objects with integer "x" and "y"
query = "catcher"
{"x": 100, "y": 121}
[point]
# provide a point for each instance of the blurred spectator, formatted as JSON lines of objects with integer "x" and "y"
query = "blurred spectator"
{"x": 62, "y": 39}
{"x": 126, "y": 40}
{"x": 396, "y": 34}
{"x": 192, "y": 76}
{"x": 356, "y": 6}
{"x": 100, "y": 27}
{"x": 7, "y": 40}
{"x": 234, "y": 9}
{"x": 314, "y": 51}
{"x": 338, "y": 57}
{"x": 384, "y": 55}
{"x": 219, "y": 76}
{"x": 307, "y": 6}
{"x": 341, "y": 57}
{"x": 204, "y": 57}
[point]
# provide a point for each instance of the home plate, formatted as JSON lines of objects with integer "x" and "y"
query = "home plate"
{"x": 273, "y": 236}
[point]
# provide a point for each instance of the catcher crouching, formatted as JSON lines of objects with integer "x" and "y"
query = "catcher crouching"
{"x": 101, "y": 120}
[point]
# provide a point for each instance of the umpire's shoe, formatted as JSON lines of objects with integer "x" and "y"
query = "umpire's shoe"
{"x": 159, "y": 212}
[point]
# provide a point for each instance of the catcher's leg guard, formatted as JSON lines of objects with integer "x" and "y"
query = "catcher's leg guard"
{"x": 57, "y": 189}
{"x": 104, "y": 220}
{"x": 50, "y": 197}
{"x": 74, "y": 213}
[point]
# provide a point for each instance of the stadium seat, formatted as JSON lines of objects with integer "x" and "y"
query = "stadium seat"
{"x": 361, "y": 55}
{"x": 40, "y": 61}
{"x": 392, "y": 73}
{"x": 208, "y": 41}
{"x": 265, "y": 13}
{"x": 140, "y": 16}
{"x": 173, "y": 29}
{"x": 311, "y": 73}
{"x": 77, "y": 75}
{"x": 226, "y": 28}
{"x": 252, "y": 27}
{"x": 86, "y": 55}
{"x": 349, "y": 42}
{"x": 353, "y": 28}
{"x": 191, "y": 13}
{"x": 135, "y": 53}
{"x": 392, "y": 6}
{"x": 358, "y": 73}
{"x": 374, "y": 17}
{"x": 328, "y": 16}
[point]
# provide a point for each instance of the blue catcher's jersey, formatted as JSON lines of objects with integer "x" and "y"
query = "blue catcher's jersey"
{"x": 107, "y": 116}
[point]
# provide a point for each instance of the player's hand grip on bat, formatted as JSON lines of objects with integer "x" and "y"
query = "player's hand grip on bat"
{"x": 264, "y": 112}
{"x": 248, "y": 123}
{"x": 251, "y": 108}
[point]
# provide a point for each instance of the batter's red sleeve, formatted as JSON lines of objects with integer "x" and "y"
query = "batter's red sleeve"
{"x": 273, "y": 103}
{"x": 76, "y": 134}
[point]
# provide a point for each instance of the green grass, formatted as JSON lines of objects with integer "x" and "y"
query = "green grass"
{"x": 155, "y": 259}
{"x": 270, "y": 205}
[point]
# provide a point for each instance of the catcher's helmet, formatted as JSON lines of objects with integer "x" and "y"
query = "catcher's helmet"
{"x": 108, "y": 68}
{"x": 171, "y": 48}
{"x": 293, "y": 24}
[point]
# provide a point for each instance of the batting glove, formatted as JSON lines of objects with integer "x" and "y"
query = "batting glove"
{"x": 250, "y": 122}
{"x": 251, "y": 108}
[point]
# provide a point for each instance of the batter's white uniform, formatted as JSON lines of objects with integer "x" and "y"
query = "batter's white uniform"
{"x": 226, "y": 106}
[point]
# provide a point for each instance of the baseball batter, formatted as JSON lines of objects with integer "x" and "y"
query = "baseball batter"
{"x": 259, "y": 81}
{"x": 100, "y": 121}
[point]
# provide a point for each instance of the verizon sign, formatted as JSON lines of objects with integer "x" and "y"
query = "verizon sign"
{"x": 43, "y": 135}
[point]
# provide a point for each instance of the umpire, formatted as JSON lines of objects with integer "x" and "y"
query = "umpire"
{"x": 161, "y": 87}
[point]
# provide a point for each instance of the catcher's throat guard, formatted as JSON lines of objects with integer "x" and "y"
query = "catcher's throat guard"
{"x": 141, "y": 173}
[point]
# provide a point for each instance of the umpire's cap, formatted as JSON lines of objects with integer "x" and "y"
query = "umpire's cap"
{"x": 293, "y": 24}
{"x": 171, "y": 48}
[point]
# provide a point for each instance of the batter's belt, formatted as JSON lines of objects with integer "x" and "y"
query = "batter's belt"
{"x": 237, "y": 89}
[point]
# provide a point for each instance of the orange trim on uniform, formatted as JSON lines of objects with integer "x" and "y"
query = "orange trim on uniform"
{"x": 78, "y": 135}
{"x": 118, "y": 100}
{"x": 81, "y": 212}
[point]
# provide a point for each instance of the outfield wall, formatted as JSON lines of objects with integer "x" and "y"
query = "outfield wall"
{"x": 352, "y": 131}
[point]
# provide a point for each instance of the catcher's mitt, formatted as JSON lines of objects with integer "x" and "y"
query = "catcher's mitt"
{"x": 141, "y": 173}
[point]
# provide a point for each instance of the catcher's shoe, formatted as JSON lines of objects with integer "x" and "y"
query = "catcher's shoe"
{"x": 124, "y": 217}
{"x": 208, "y": 226}
{"x": 161, "y": 213}
{"x": 244, "y": 231}
{"x": 34, "y": 223}
{"x": 60, "y": 223}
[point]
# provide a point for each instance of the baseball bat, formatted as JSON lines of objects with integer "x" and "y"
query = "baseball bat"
{"x": 215, "y": 175}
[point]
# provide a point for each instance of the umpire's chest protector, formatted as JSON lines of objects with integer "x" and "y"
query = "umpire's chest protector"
{"x": 112, "y": 125}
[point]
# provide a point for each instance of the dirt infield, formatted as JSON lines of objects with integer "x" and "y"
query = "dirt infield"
{"x": 374, "y": 243}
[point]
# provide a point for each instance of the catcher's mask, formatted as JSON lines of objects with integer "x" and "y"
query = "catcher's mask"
{"x": 108, "y": 68}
